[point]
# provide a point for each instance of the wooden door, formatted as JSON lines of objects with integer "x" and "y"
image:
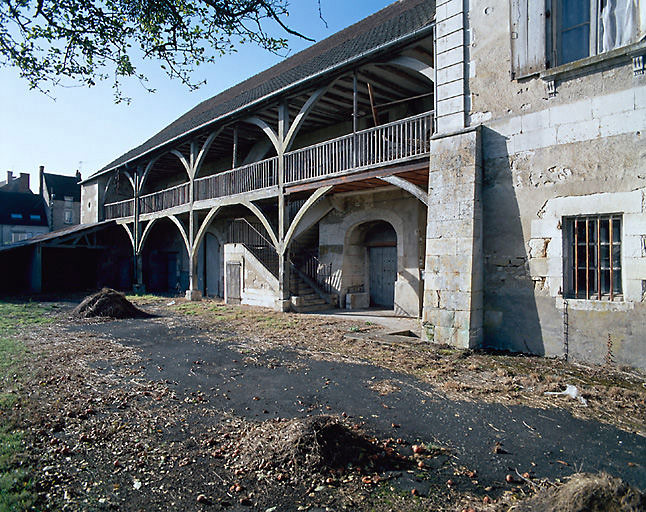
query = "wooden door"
{"x": 383, "y": 274}
{"x": 211, "y": 266}
{"x": 233, "y": 283}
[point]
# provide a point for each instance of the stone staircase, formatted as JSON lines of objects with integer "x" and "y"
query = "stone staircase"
{"x": 304, "y": 298}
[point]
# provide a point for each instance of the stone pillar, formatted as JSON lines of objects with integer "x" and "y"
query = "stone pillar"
{"x": 451, "y": 47}
{"x": 453, "y": 278}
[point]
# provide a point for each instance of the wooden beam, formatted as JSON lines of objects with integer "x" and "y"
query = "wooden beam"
{"x": 371, "y": 93}
{"x": 359, "y": 176}
{"x": 388, "y": 84}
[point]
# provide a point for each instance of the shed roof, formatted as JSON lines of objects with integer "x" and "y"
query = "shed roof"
{"x": 387, "y": 26}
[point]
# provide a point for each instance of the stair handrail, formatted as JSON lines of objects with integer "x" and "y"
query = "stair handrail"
{"x": 271, "y": 266}
{"x": 323, "y": 288}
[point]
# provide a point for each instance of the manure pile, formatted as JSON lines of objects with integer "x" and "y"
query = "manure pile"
{"x": 108, "y": 303}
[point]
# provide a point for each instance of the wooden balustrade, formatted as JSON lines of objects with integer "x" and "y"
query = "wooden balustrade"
{"x": 247, "y": 178}
{"x": 119, "y": 209}
{"x": 390, "y": 143}
{"x": 165, "y": 199}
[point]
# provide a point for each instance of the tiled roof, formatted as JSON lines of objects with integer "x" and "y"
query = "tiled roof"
{"x": 395, "y": 21}
{"x": 60, "y": 187}
{"x": 22, "y": 209}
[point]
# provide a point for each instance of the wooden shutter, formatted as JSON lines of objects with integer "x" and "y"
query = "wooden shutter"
{"x": 527, "y": 26}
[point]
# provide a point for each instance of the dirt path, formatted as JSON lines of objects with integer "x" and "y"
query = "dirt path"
{"x": 285, "y": 384}
{"x": 149, "y": 414}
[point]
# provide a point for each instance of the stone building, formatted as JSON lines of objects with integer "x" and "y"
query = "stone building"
{"x": 476, "y": 165}
{"x": 22, "y": 216}
{"x": 62, "y": 194}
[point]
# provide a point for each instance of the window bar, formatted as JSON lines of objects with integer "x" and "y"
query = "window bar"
{"x": 599, "y": 257}
{"x": 576, "y": 258}
{"x": 587, "y": 259}
{"x": 612, "y": 283}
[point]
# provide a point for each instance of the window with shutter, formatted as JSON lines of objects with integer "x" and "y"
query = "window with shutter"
{"x": 527, "y": 24}
{"x": 556, "y": 32}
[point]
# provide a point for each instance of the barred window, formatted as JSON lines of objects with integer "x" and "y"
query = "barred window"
{"x": 593, "y": 257}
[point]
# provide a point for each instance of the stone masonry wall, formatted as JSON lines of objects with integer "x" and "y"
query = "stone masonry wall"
{"x": 453, "y": 277}
{"x": 578, "y": 152}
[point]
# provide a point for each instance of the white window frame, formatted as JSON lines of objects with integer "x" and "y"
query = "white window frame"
{"x": 68, "y": 216}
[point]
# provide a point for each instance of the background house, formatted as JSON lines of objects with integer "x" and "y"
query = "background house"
{"x": 15, "y": 184}
{"x": 22, "y": 216}
{"x": 62, "y": 195}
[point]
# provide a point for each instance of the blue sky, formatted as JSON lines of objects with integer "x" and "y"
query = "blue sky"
{"x": 84, "y": 129}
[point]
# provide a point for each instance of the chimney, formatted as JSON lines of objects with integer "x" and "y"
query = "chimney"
{"x": 41, "y": 179}
{"x": 78, "y": 175}
{"x": 9, "y": 177}
{"x": 24, "y": 182}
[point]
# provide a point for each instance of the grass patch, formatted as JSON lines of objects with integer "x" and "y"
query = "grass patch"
{"x": 16, "y": 491}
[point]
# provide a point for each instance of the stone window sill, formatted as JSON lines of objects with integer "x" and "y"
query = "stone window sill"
{"x": 595, "y": 64}
{"x": 594, "y": 305}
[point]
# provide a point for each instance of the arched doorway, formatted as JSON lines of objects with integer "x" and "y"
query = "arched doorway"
{"x": 370, "y": 264}
{"x": 381, "y": 244}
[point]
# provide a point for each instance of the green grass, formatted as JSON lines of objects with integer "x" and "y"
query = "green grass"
{"x": 16, "y": 492}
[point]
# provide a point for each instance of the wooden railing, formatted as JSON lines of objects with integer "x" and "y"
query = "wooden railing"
{"x": 119, "y": 209}
{"x": 318, "y": 272}
{"x": 165, "y": 199}
{"x": 255, "y": 238}
{"x": 390, "y": 143}
{"x": 247, "y": 178}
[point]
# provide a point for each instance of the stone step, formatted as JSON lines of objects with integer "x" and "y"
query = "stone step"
{"x": 302, "y": 301}
{"x": 312, "y": 308}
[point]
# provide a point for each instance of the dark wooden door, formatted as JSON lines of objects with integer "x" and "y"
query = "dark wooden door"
{"x": 383, "y": 274}
{"x": 233, "y": 283}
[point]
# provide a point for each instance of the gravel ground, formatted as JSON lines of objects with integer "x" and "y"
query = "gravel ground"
{"x": 153, "y": 414}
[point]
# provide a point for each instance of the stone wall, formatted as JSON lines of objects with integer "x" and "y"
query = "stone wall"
{"x": 546, "y": 157}
{"x": 258, "y": 286}
{"x": 453, "y": 292}
{"x": 348, "y": 256}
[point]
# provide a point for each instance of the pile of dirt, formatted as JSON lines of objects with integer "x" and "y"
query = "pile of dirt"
{"x": 317, "y": 444}
{"x": 586, "y": 492}
{"x": 108, "y": 303}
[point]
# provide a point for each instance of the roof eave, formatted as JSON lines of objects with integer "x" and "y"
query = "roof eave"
{"x": 352, "y": 61}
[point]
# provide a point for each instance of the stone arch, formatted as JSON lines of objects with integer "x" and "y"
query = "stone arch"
{"x": 357, "y": 218}
{"x": 371, "y": 261}
{"x": 407, "y": 284}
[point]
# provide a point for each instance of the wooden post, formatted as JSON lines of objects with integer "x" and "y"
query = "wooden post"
{"x": 371, "y": 93}
{"x": 234, "y": 163}
{"x": 36, "y": 277}
{"x": 283, "y": 217}
{"x": 355, "y": 118}
{"x": 193, "y": 292}
{"x": 137, "y": 276}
